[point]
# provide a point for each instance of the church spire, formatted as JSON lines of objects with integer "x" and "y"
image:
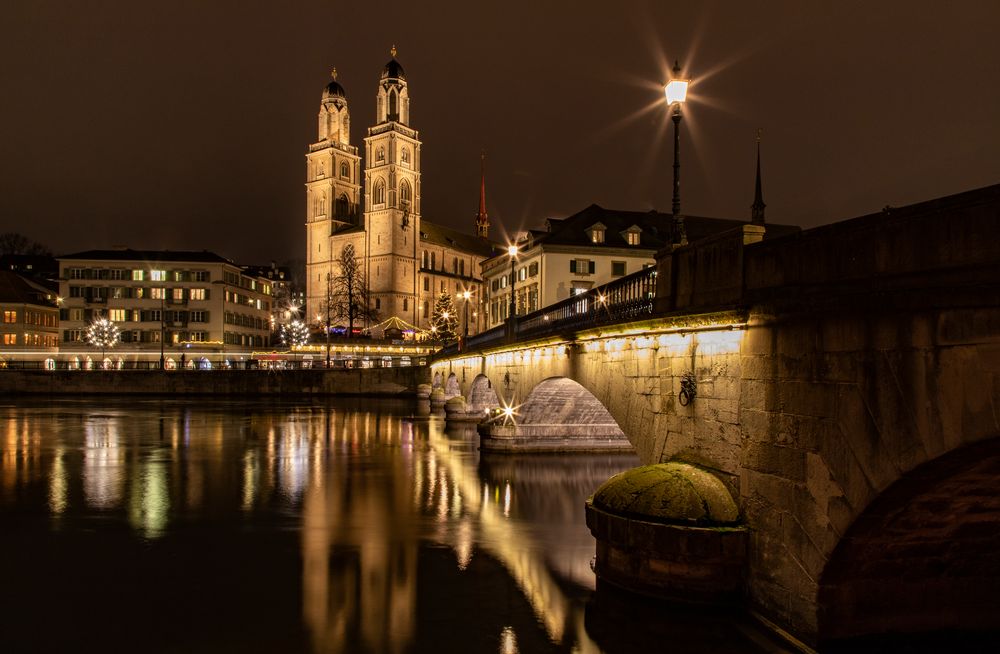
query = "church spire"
{"x": 757, "y": 209}
{"x": 482, "y": 218}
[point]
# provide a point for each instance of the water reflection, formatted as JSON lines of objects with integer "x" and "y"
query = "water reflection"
{"x": 341, "y": 512}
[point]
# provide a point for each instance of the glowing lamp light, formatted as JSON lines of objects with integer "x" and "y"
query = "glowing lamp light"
{"x": 676, "y": 90}
{"x": 508, "y": 412}
{"x": 602, "y": 299}
{"x": 512, "y": 250}
{"x": 466, "y": 294}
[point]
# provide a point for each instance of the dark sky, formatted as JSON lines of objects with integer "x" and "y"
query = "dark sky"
{"x": 184, "y": 124}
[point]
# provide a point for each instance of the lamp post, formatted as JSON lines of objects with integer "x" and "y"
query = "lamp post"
{"x": 676, "y": 94}
{"x": 512, "y": 252}
{"x": 162, "y": 318}
{"x": 466, "y": 294}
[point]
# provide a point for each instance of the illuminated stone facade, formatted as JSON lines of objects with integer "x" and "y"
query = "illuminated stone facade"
{"x": 189, "y": 299}
{"x": 407, "y": 261}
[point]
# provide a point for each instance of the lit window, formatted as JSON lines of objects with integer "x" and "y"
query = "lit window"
{"x": 10, "y": 339}
{"x": 597, "y": 236}
{"x": 10, "y": 316}
{"x": 117, "y": 315}
{"x": 632, "y": 238}
{"x": 158, "y": 293}
{"x": 158, "y": 275}
{"x": 197, "y": 293}
{"x": 178, "y": 294}
{"x": 137, "y": 275}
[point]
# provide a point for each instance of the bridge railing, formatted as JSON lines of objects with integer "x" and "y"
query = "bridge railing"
{"x": 623, "y": 300}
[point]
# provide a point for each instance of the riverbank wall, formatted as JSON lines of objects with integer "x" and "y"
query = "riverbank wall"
{"x": 390, "y": 382}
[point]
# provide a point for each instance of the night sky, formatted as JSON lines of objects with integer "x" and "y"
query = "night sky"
{"x": 184, "y": 124}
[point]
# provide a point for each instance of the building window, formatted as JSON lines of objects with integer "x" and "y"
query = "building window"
{"x": 179, "y": 276}
{"x": 117, "y": 315}
{"x": 427, "y": 283}
{"x": 76, "y": 314}
{"x": 433, "y": 260}
{"x": 378, "y": 303}
{"x": 406, "y": 304}
{"x": 532, "y": 269}
{"x": 495, "y": 285}
{"x": 404, "y": 156}
{"x": 178, "y": 294}
{"x": 522, "y": 274}
{"x": 197, "y": 294}
{"x": 443, "y": 286}
{"x": 617, "y": 268}
{"x": 405, "y": 194}
{"x": 461, "y": 267}
{"x": 158, "y": 275}
{"x": 596, "y": 233}
{"x": 632, "y": 238}
{"x": 379, "y": 196}
{"x": 423, "y": 260}
{"x": 380, "y": 155}
{"x": 158, "y": 293}
{"x": 118, "y": 273}
{"x": 201, "y": 276}
{"x": 137, "y": 275}
{"x": 427, "y": 307}
{"x": 343, "y": 206}
{"x": 345, "y": 171}
{"x": 10, "y": 316}
{"x": 10, "y": 339}
{"x": 198, "y": 316}
{"x": 581, "y": 267}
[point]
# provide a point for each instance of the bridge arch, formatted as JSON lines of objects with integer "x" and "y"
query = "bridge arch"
{"x": 482, "y": 396}
{"x": 924, "y": 556}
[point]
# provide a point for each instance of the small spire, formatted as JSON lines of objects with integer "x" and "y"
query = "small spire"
{"x": 333, "y": 73}
{"x": 482, "y": 218}
{"x": 393, "y": 51}
{"x": 757, "y": 209}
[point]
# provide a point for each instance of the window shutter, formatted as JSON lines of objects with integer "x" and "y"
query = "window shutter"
{"x": 572, "y": 265}
{"x": 591, "y": 265}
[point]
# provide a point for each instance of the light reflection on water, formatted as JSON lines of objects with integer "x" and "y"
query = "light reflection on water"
{"x": 362, "y": 500}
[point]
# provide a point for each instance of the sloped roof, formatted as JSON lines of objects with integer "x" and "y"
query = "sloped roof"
{"x": 16, "y": 289}
{"x": 448, "y": 237}
{"x": 657, "y": 228}
{"x": 203, "y": 256}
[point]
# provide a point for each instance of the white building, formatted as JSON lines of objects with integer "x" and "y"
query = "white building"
{"x": 184, "y": 298}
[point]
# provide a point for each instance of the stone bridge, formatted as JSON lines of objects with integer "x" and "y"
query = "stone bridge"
{"x": 843, "y": 382}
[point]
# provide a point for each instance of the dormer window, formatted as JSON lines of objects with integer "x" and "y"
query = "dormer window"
{"x": 596, "y": 233}
{"x": 633, "y": 235}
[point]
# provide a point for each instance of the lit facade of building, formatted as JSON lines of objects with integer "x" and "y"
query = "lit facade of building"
{"x": 583, "y": 251}
{"x": 407, "y": 261}
{"x": 186, "y": 298}
{"x": 30, "y": 315}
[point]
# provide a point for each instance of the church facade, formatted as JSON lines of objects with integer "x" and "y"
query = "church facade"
{"x": 371, "y": 202}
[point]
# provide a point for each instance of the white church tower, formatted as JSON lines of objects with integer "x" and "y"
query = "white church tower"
{"x": 392, "y": 198}
{"x": 333, "y": 189}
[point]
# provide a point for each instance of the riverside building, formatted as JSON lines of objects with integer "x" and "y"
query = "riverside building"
{"x": 182, "y": 300}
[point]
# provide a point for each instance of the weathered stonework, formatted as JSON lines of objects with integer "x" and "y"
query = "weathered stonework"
{"x": 857, "y": 355}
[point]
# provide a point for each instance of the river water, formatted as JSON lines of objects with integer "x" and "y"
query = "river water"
{"x": 159, "y": 525}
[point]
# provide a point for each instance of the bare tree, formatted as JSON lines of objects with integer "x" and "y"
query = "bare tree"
{"x": 14, "y": 243}
{"x": 346, "y": 293}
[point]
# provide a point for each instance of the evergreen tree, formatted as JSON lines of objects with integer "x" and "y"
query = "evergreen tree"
{"x": 444, "y": 319}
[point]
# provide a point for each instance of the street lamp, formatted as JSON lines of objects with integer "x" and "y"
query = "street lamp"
{"x": 676, "y": 93}
{"x": 512, "y": 252}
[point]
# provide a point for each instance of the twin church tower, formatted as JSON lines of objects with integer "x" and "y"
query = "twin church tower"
{"x": 376, "y": 210}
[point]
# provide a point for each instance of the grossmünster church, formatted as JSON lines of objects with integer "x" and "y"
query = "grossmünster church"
{"x": 373, "y": 203}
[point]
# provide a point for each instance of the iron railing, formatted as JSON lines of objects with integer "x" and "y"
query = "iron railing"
{"x": 626, "y": 299}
